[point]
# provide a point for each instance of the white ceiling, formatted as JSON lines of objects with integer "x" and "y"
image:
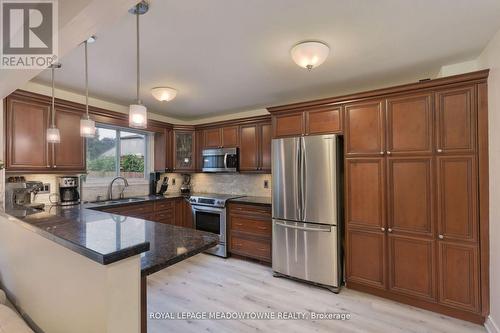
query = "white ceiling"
{"x": 232, "y": 55}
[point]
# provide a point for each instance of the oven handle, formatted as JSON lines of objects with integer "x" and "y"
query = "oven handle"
{"x": 225, "y": 160}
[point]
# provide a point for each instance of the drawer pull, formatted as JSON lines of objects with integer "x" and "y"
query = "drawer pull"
{"x": 262, "y": 228}
{"x": 239, "y": 224}
{"x": 262, "y": 249}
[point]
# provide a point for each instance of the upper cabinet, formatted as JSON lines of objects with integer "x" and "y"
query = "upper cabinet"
{"x": 26, "y": 143}
{"x": 255, "y": 147}
{"x": 456, "y": 120}
{"x": 25, "y": 127}
{"x": 221, "y": 137}
{"x": 184, "y": 150}
{"x": 364, "y": 128}
{"x": 309, "y": 121}
{"x": 163, "y": 151}
{"x": 409, "y": 124}
{"x": 69, "y": 154}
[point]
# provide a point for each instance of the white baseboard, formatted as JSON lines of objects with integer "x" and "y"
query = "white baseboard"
{"x": 491, "y": 326}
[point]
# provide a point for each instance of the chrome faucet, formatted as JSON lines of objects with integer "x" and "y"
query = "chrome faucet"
{"x": 110, "y": 188}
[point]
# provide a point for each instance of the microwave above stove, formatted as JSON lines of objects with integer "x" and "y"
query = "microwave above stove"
{"x": 220, "y": 160}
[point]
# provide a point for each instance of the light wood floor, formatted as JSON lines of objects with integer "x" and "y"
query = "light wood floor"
{"x": 208, "y": 283}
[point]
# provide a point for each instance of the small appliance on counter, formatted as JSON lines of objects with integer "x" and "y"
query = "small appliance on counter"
{"x": 154, "y": 177}
{"x": 68, "y": 191}
{"x": 20, "y": 194}
{"x": 186, "y": 185}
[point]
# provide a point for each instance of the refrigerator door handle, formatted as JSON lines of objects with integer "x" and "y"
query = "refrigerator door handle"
{"x": 328, "y": 229}
{"x": 298, "y": 177}
{"x": 303, "y": 189}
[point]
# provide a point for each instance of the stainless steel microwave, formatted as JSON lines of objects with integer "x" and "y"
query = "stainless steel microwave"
{"x": 220, "y": 160}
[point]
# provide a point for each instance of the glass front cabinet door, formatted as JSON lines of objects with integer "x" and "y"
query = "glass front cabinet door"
{"x": 184, "y": 150}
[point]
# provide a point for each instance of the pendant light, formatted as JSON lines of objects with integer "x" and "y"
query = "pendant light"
{"x": 87, "y": 125}
{"x": 53, "y": 135}
{"x": 138, "y": 116}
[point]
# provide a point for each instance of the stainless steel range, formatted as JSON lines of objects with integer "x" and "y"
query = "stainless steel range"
{"x": 209, "y": 214}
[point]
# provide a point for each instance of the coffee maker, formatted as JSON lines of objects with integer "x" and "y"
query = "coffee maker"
{"x": 68, "y": 191}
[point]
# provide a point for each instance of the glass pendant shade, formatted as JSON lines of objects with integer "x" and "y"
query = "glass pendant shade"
{"x": 138, "y": 117}
{"x": 310, "y": 54}
{"x": 53, "y": 135}
{"x": 87, "y": 127}
{"x": 164, "y": 94}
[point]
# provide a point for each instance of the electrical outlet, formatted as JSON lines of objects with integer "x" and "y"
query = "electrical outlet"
{"x": 173, "y": 181}
{"x": 46, "y": 189}
{"x": 266, "y": 183}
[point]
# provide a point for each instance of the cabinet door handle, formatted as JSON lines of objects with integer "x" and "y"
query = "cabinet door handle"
{"x": 381, "y": 153}
{"x": 388, "y": 153}
{"x": 383, "y": 229}
{"x": 390, "y": 230}
{"x": 441, "y": 237}
{"x": 439, "y": 150}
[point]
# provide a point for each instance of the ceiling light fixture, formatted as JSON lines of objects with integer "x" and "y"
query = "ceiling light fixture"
{"x": 87, "y": 125}
{"x": 310, "y": 54}
{"x": 138, "y": 116}
{"x": 53, "y": 134}
{"x": 164, "y": 94}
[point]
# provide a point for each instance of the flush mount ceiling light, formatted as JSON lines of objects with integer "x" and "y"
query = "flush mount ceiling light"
{"x": 53, "y": 134}
{"x": 87, "y": 125}
{"x": 310, "y": 54}
{"x": 138, "y": 116}
{"x": 164, "y": 94}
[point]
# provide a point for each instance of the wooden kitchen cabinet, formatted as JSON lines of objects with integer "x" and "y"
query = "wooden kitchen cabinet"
{"x": 163, "y": 151}
{"x": 26, "y": 124}
{"x": 456, "y": 120}
{"x": 288, "y": 124}
{"x": 221, "y": 137}
{"x": 412, "y": 266}
{"x": 365, "y": 128}
{"x": 255, "y": 148}
{"x": 365, "y": 193}
{"x": 69, "y": 154}
{"x": 366, "y": 257}
{"x": 459, "y": 276}
{"x": 323, "y": 120}
{"x": 410, "y": 195}
{"x": 27, "y": 148}
{"x": 212, "y": 138}
{"x": 457, "y": 198}
{"x": 184, "y": 151}
{"x": 410, "y": 124}
{"x": 250, "y": 231}
{"x": 308, "y": 121}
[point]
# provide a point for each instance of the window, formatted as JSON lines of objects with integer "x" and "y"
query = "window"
{"x": 117, "y": 152}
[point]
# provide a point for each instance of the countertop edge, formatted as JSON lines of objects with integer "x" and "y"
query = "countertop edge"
{"x": 156, "y": 268}
{"x": 105, "y": 259}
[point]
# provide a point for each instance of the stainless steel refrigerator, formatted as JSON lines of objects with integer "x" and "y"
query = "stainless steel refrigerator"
{"x": 307, "y": 209}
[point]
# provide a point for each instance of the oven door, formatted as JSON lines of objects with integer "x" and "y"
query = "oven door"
{"x": 212, "y": 219}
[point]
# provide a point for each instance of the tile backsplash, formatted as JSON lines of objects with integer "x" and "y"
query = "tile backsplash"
{"x": 234, "y": 183}
{"x": 243, "y": 184}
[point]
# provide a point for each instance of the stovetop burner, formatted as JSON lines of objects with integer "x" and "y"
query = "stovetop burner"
{"x": 212, "y": 199}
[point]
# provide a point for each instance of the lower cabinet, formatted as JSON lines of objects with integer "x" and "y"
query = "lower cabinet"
{"x": 250, "y": 231}
{"x": 459, "y": 276}
{"x": 175, "y": 211}
{"x": 366, "y": 251}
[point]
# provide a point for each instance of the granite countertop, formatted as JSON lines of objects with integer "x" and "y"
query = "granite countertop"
{"x": 107, "y": 238}
{"x": 263, "y": 201}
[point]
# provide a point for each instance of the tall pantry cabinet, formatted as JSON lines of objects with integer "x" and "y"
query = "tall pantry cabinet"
{"x": 416, "y": 192}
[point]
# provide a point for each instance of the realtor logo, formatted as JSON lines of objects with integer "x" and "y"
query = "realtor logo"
{"x": 29, "y": 33}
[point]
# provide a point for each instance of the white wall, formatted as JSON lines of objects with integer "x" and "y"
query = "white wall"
{"x": 62, "y": 291}
{"x": 490, "y": 58}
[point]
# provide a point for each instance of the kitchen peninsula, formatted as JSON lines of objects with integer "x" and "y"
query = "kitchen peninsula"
{"x": 110, "y": 256}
